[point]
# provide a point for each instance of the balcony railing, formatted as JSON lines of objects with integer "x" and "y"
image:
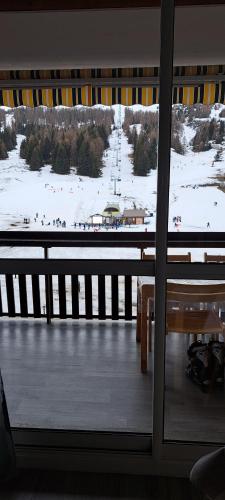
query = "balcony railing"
{"x": 80, "y": 288}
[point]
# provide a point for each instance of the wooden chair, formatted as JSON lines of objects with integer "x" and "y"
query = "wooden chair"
{"x": 214, "y": 258}
{"x": 145, "y": 292}
{"x": 182, "y": 320}
{"x": 171, "y": 258}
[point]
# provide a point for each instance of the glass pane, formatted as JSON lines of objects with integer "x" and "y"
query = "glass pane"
{"x": 196, "y": 198}
{"x": 195, "y": 356}
{"x": 78, "y": 374}
{"x": 86, "y": 166}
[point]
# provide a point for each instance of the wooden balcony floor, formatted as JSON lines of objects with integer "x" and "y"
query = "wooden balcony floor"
{"x": 86, "y": 376}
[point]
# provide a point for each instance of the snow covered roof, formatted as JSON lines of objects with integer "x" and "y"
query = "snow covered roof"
{"x": 135, "y": 212}
{"x": 113, "y": 205}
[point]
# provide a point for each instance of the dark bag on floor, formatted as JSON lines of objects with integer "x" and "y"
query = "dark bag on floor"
{"x": 7, "y": 451}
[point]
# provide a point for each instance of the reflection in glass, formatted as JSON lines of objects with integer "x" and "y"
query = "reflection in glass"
{"x": 195, "y": 355}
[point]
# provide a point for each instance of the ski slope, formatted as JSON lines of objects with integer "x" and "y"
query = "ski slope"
{"x": 73, "y": 198}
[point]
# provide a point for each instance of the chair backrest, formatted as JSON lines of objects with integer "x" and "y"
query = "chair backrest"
{"x": 179, "y": 292}
{"x": 214, "y": 258}
{"x": 146, "y": 256}
{"x": 171, "y": 258}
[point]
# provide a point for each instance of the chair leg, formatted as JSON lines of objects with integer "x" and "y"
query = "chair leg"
{"x": 144, "y": 337}
{"x": 144, "y": 350}
{"x": 150, "y": 334}
{"x": 138, "y": 324}
{"x": 138, "y": 327}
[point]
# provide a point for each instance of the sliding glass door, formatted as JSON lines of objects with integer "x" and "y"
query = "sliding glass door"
{"x": 189, "y": 349}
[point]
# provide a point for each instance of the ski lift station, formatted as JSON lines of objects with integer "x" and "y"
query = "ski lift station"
{"x": 110, "y": 212}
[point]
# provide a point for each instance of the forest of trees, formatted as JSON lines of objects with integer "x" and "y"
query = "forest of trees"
{"x": 145, "y": 143}
{"x": 65, "y": 138}
{"x": 62, "y": 117}
{"x": 65, "y": 148}
{"x": 206, "y": 133}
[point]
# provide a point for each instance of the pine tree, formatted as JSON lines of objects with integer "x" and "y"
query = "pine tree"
{"x": 141, "y": 157}
{"x": 176, "y": 144}
{"x": 61, "y": 163}
{"x": 35, "y": 162}
{"x": 153, "y": 154}
{"x": 84, "y": 159}
{"x": 104, "y": 135}
{"x": 9, "y": 138}
{"x": 211, "y": 129}
{"x": 46, "y": 149}
{"x": 3, "y": 151}
{"x": 31, "y": 144}
{"x": 23, "y": 149}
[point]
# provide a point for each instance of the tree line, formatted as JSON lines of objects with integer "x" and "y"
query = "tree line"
{"x": 64, "y": 149}
{"x": 61, "y": 117}
{"x": 64, "y": 138}
{"x": 141, "y": 129}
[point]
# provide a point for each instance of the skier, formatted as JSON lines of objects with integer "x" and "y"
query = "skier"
{"x": 215, "y": 203}
{"x": 208, "y": 225}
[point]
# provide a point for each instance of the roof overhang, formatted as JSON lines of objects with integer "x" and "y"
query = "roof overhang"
{"x": 106, "y": 37}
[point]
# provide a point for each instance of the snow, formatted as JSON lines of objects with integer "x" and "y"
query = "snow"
{"x": 215, "y": 111}
{"x": 74, "y": 198}
{"x": 188, "y": 134}
{"x": 137, "y": 127}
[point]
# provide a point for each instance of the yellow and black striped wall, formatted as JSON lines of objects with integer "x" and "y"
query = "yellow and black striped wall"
{"x": 127, "y": 86}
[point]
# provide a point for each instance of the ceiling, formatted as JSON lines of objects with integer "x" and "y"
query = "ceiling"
{"x": 108, "y": 38}
{"x": 42, "y": 5}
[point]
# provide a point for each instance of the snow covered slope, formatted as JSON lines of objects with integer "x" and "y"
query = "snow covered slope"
{"x": 72, "y": 198}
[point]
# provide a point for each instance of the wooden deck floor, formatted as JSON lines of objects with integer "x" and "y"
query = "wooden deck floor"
{"x": 86, "y": 376}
